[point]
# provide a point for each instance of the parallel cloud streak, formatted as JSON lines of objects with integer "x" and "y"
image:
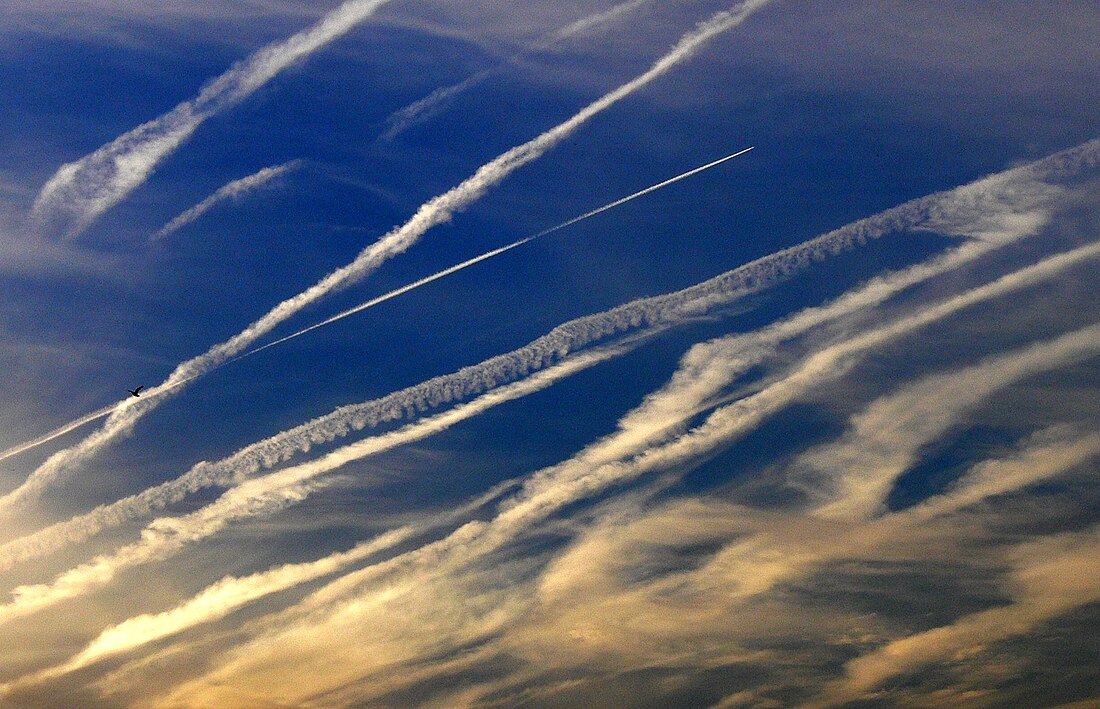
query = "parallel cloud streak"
{"x": 229, "y": 191}
{"x": 988, "y": 208}
{"x": 332, "y": 611}
{"x": 437, "y": 210}
{"x": 421, "y": 109}
{"x": 83, "y": 190}
{"x": 613, "y": 460}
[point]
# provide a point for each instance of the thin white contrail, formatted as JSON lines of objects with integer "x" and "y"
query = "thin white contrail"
{"x": 276, "y": 491}
{"x": 267, "y": 495}
{"x": 80, "y": 191}
{"x": 490, "y": 254}
{"x": 421, "y": 109}
{"x": 970, "y": 210}
{"x": 58, "y": 432}
{"x": 229, "y": 191}
{"x": 89, "y": 418}
{"x": 433, "y": 212}
{"x": 106, "y": 411}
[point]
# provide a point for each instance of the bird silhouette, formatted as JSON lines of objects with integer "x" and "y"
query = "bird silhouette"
{"x": 135, "y": 391}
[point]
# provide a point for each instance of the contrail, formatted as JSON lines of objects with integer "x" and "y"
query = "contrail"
{"x": 80, "y": 191}
{"x": 945, "y": 212}
{"x": 420, "y": 110}
{"x": 164, "y": 537}
{"x": 967, "y": 211}
{"x": 58, "y": 432}
{"x": 490, "y": 254}
{"x": 433, "y": 212}
{"x": 106, "y": 410}
{"x": 230, "y": 191}
{"x": 611, "y": 461}
{"x": 93, "y": 416}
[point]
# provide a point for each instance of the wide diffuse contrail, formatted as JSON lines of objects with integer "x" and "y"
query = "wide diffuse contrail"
{"x": 107, "y": 410}
{"x": 495, "y": 252}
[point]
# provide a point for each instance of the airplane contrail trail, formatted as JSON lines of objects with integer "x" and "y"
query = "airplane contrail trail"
{"x": 495, "y": 252}
{"x": 57, "y": 432}
{"x": 966, "y": 212}
{"x": 398, "y": 240}
{"x": 93, "y": 416}
{"x": 107, "y": 410}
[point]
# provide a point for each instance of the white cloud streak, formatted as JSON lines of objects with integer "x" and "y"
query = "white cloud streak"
{"x": 230, "y": 191}
{"x": 493, "y": 253}
{"x": 269, "y": 494}
{"x": 996, "y": 209}
{"x": 230, "y": 594}
{"x": 641, "y": 445}
{"x": 612, "y": 460}
{"x": 420, "y": 110}
{"x": 437, "y": 210}
{"x": 83, "y": 190}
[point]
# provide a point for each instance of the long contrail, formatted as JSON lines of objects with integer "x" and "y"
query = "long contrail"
{"x": 398, "y": 240}
{"x": 495, "y": 252}
{"x": 58, "y": 432}
{"x": 80, "y": 191}
{"x": 106, "y": 411}
{"x": 970, "y": 210}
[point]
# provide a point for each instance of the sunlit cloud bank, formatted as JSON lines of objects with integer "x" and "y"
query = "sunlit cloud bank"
{"x": 859, "y": 470}
{"x": 695, "y": 583}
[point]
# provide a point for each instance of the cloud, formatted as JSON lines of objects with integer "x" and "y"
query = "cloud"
{"x": 647, "y": 441}
{"x": 1050, "y": 577}
{"x": 81, "y": 191}
{"x": 420, "y": 110}
{"x": 996, "y": 209}
{"x": 852, "y": 477}
{"x": 267, "y": 495}
{"x": 437, "y": 210}
{"x": 231, "y": 191}
{"x": 987, "y": 208}
{"x": 229, "y": 594}
{"x": 986, "y": 212}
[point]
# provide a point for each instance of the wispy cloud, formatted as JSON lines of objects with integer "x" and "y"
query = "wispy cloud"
{"x": 420, "y": 110}
{"x": 645, "y": 442}
{"x": 268, "y": 494}
{"x": 229, "y": 594}
{"x": 230, "y": 191}
{"x": 437, "y": 210}
{"x": 853, "y": 476}
{"x": 996, "y": 210}
{"x": 1050, "y": 577}
{"x": 637, "y": 447}
{"x": 81, "y": 191}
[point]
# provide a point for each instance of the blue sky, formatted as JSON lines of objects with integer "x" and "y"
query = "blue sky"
{"x": 815, "y": 427}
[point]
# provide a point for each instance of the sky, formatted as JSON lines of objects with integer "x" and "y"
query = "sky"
{"x": 815, "y": 426}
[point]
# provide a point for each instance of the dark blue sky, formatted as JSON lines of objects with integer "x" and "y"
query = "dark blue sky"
{"x": 762, "y": 497}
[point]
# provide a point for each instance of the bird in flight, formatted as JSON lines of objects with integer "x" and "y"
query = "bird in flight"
{"x": 135, "y": 391}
